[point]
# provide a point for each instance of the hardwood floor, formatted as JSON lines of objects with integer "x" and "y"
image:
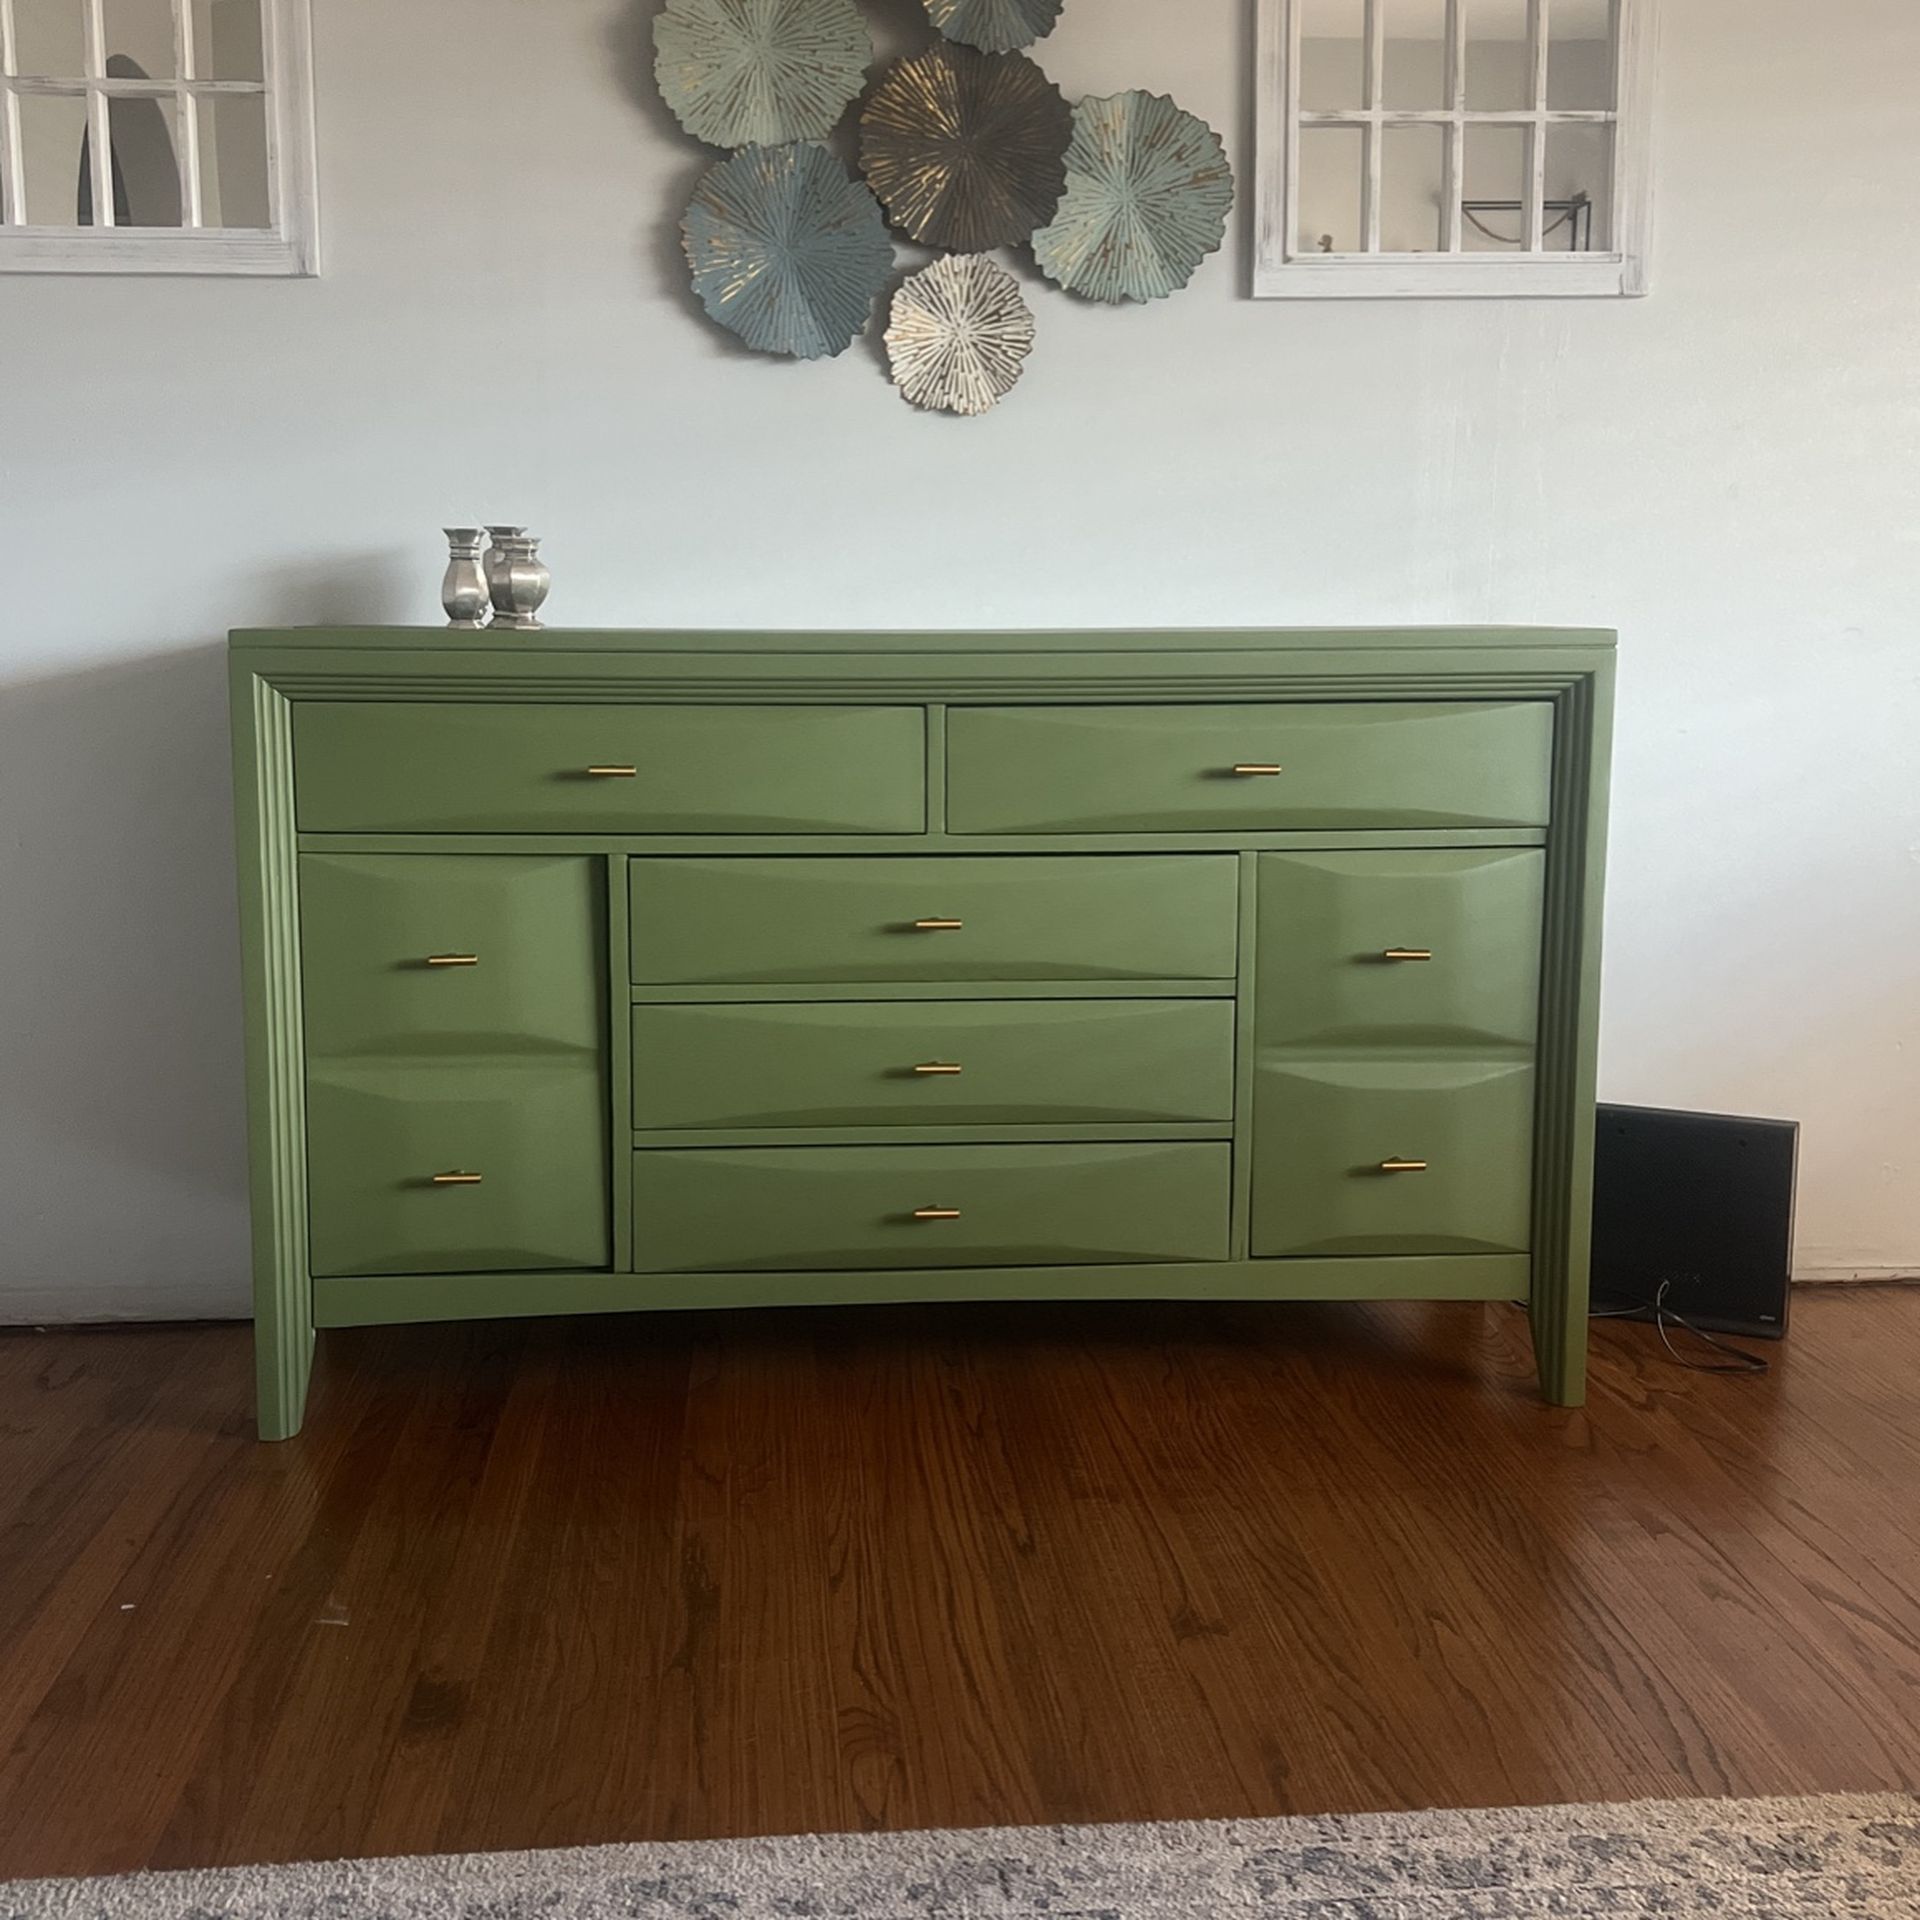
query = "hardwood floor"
{"x": 531, "y": 1585}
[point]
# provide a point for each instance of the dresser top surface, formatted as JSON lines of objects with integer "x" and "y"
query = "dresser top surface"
{"x": 619, "y": 640}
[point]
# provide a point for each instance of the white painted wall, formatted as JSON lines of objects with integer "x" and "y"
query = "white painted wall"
{"x": 1727, "y": 472}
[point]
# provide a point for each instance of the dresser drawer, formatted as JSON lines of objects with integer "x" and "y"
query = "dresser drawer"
{"x": 370, "y": 768}
{"x": 438, "y": 952}
{"x": 1400, "y": 948}
{"x": 1144, "y": 917}
{"x": 795, "y": 1209}
{"x": 1108, "y": 769}
{"x": 1326, "y": 1135}
{"x": 933, "y": 1063}
{"x": 379, "y": 1131}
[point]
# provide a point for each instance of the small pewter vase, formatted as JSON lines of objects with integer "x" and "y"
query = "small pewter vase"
{"x": 464, "y": 590}
{"x": 517, "y": 579}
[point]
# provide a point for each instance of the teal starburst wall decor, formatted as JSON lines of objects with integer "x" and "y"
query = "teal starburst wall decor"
{"x": 741, "y": 73}
{"x": 967, "y": 147}
{"x": 1148, "y": 193}
{"x": 786, "y": 251}
{"x": 995, "y": 26}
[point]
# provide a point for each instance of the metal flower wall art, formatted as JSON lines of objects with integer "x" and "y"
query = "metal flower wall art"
{"x": 995, "y": 26}
{"x": 741, "y": 73}
{"x": 965, "y": 146}
{"x": 959, "y": 333}
{"x": 1148, "y": 191}
{"x": 966, "y": 150}
{"x": 787, "y": 251}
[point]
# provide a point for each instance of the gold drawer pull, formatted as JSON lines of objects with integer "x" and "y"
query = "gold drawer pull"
{"x": 937, "y": 1066}
{"x": 1252, "y": 771}
{"x": 936, "y": 1213}
{"x": 612, "y": 773}
{"x": 938, "y": 926}
{"x": 453, "y": 959}
{"x": 457, "y": 1179}
{"x": 1408, "y": 953}
{"x": 1403, "y": 1166}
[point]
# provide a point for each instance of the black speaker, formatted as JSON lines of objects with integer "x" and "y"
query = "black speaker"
{"x": 1702, "y": 1202}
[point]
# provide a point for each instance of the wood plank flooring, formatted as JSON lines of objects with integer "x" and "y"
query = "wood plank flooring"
{"x": 686, "y": 1576}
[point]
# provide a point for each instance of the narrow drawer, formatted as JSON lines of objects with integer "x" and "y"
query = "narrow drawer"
{"x": 1400, "y": 949}
{"x": 434, "y": 952}
{"x": 1327, "y": 1133}
{"x": 366, "y": 767}
{"x": 803, "y": 1209}
{"x": 1111, "y": 769}
{"x": 536, "y": 1134}
{"x": 927, "y": 1063}
{"x": 1139, "y": 917}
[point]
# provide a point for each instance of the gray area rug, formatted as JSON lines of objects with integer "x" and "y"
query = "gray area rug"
{"x": 1855, "y": 1855}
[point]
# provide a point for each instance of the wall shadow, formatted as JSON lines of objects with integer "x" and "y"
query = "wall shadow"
{"x": 122, "y": 1095}
{"x": 121, "y": 1059}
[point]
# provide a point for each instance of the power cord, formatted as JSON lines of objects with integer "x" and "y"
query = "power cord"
{"x": 1736, "y": 1359}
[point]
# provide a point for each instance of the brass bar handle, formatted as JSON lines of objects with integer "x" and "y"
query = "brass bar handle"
{"x": 931, "y": 1067}
{"x": 1253, "y": 770}
{"x": 1408, "y": 953}
{"x": 453, "y": 959}
{"x": 936, "y": 1213}
{"x": 613, "y": 773}
{"x": 457, "y": 1179}
{"x": 1403, "y": 1166}
{"x": 938, "y": 925}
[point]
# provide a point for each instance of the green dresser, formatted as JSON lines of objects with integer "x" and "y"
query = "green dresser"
{"x": 595, "y": 972}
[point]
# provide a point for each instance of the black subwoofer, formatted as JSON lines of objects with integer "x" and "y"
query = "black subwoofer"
{"x": 1702, "y": 1202}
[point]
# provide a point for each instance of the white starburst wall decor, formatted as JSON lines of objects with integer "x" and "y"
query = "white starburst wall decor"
{"x": 959, "y": 335}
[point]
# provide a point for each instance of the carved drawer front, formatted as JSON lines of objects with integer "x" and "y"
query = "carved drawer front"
{"x": 957, "y": 918}
{"x": 369, "y": 767}
{"x": 933, "y": 1063}
{"x": 1382, "y": 1155}
{"x": 457, "y": 1166}
{"x": 446, "y": 952}
{"x": 1099, "y": 769}
{"x": 800, "y": 1209}
{"x": 1416, "y": 948}
{"x": 456, "y": 1087}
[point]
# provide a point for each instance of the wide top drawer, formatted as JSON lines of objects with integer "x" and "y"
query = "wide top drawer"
{"x": 1261, "y": 766}
{"x": 372, "y": 767}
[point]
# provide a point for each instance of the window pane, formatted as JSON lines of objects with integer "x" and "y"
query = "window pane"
{"x": 1580, "y": 174}
{"x": 53, "y": 129}
{"x": 1499, "y": 55}
{"x": 233, "y": 161}
{"x": 146, "y": 164}
{"x": 1332, "y": 168}
{"x": 227, "y": 40}
{"x": 1416, "y": 53}
{"x": 51, "y": 39}
{"x": 1333, "y": 54}
{"x": 141, "y": 32}
{"x": 1580, "y": 54}
{"x": 1412, "y": 175}
{"x": 1495, "y": 178}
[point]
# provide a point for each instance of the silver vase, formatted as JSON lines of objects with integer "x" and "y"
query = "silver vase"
{"x": 517, "y": 579}
{"x": 464, "y": 590}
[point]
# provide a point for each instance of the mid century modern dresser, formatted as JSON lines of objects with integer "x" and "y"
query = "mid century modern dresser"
{"x": 608, "y": 971}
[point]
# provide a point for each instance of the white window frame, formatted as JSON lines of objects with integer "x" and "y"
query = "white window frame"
{"x": 1282, "y": 271}
{"x": 289, "y": 248}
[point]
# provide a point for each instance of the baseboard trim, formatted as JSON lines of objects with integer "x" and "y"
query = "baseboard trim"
{"x": 1854, "y": 1276}
{"x": 115, "y": 1306}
